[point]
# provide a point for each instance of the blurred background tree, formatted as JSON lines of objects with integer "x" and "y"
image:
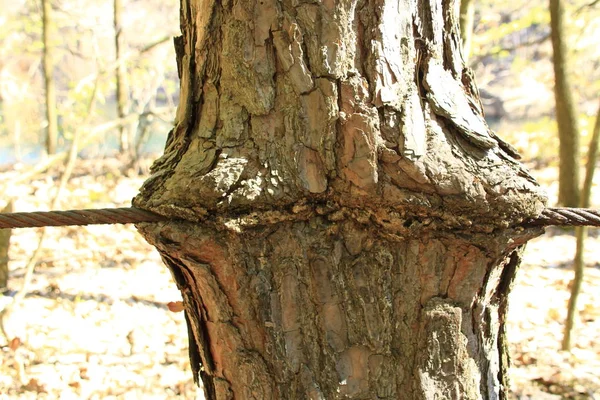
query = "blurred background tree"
{"x": 512, "y": 58}
{"x": 68, "y": 44}
{"x": 120, "y": 79}
{"x": 510, "y": 53}
{"x": 539, "y": 64}
{"x": 467, "y": 13}
{"x": 49, "y": 87}
{"x": 566, "y": 112}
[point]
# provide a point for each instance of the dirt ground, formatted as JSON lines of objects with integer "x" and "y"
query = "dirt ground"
{"x": 95, "y": 324}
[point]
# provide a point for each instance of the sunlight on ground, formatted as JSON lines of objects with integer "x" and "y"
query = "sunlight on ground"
{"x": 537, "y": 311}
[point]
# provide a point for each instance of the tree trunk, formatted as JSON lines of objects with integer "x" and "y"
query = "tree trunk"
{"x": 50, "y": 90}
{"x": 4, "y": 248}
{"x": 347, "y": 223}
{"x": 125, "y": 141}
{"x": 467, "y": 16}
{"x": 581, "y": 234}
{"x": 566, "y": 116}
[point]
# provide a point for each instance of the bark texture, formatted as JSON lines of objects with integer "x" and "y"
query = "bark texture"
{"x": 348, "y": 222}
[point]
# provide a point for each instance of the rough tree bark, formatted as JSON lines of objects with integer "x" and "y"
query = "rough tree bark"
{"x": 347, "y": 221}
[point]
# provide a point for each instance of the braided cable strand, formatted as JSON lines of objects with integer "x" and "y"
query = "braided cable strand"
{"x": 127, "y": 215}
{"x": 565, "y": 216}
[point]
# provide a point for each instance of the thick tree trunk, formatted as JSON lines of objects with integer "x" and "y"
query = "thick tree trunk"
{"x": 566, "y": 115}
{"x": 351, "y": 222}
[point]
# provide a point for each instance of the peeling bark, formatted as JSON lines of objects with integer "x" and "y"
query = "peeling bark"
{"x": 352, "y": 222}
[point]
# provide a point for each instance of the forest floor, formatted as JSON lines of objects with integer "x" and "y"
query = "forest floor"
{"x": 95, "y": 324}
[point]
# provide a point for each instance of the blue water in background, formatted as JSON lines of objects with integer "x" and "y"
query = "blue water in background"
{"x": 29, "y": 155}
{"x": 32, "y": 153}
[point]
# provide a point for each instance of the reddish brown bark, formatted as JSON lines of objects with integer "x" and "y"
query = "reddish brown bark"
{"x": 351, "y": 218}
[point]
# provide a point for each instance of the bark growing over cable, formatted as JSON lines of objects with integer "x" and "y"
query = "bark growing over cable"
{"x": 356, "y": 210}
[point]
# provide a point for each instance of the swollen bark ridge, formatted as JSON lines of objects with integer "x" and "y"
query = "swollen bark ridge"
{"x": 359, "y": 229}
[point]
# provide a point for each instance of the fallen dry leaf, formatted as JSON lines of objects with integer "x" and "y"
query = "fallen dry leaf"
{"x": 14, "y": 343}
{"x": 175, "y": 306}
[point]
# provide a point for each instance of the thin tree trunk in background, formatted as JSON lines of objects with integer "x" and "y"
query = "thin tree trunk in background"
{"x": 467, "y": 15}
{"x": 590, "y": 168}
{"x": 4, "y": 247}
{"x": 50, "y": 90}
{"x": 6, "y": 312}
{"x": 121, "y": 79}
{"x": 581, "y": 234}
{"x": 566, "y": 115}
{"x": 350, "y": 222}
